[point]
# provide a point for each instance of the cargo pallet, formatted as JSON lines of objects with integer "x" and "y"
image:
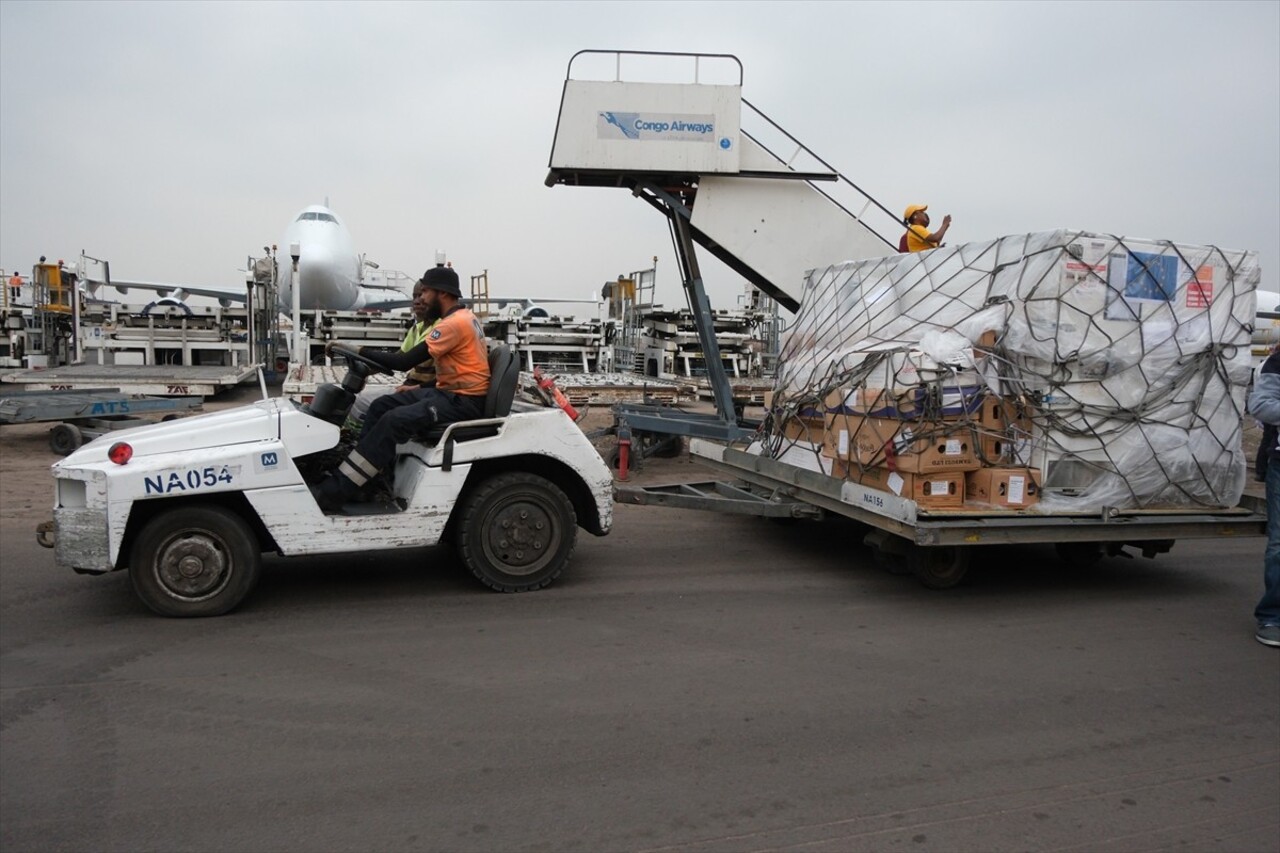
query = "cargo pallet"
{"x": 935, "y": 545}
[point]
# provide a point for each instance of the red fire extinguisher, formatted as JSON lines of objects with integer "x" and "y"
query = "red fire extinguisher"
{"x": 548, "y": 384}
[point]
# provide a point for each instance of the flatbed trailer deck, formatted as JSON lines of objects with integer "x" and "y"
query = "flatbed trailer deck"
{"x": 85, "y": 415}
{"x": 935, "y": 545}
{"x": 161, "y": 380}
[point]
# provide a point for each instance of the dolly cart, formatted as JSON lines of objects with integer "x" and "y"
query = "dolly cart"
{"x": 934, "y": 545}
{"x": 86, "y": 415}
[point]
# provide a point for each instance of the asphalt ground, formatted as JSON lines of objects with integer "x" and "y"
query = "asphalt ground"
{"x": 693, "y": 682}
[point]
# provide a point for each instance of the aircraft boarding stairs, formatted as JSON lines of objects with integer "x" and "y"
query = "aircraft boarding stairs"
{"x": 674, "y": 144}
{"x": 682, "y": 148}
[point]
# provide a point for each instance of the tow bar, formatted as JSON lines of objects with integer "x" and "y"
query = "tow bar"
{"x": 46, "y": 534}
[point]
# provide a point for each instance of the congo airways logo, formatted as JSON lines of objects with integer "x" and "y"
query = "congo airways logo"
{"x": 625, "y": 122}
{"x": 650, "y": 126}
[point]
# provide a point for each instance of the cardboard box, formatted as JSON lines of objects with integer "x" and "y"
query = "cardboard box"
{"x": 1012, "y": 488}
{"x": 939, "y": 490}
{"x": 803, "y": 429}
{"x": 1001, "y": 414}
{"x": 835, "y": 435}
{"x": 1004, "y": 429}
{"x": 913, "y": 447}
{"x": 994, "y": 449}
{"x": 879, "y": 403}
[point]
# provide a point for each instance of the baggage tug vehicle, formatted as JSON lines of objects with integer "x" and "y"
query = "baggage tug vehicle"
{"x": 189, "y": 506}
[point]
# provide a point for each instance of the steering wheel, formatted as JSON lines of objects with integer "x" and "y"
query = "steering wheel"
{"x": 341, "y": 349}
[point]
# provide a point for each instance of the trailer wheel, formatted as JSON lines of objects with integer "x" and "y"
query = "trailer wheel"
{"x": 669, "y": 447}
{"x": 1079, "y": 555}
{"x": 195, "y": 561}
{"x": 517, "y": 532}
{"x": 940, "y": 567}
{"x": 65, "y": 438}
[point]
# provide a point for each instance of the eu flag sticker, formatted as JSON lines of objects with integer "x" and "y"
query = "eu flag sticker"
{"x": 1153, "y": 277}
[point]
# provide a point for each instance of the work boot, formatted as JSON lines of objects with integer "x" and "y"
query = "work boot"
{"x": 329, "y": 494}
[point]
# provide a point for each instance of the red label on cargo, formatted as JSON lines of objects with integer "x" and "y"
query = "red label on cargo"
{"x": 1200, "y": 291}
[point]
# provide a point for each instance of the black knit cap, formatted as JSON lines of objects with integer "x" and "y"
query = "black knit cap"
{"x": 443, "y": 279}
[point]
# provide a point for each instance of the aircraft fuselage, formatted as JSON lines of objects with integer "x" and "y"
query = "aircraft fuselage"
{"x": 329, "y": 274}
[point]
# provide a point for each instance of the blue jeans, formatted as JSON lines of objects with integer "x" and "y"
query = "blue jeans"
{"x": 396, "y": 418}
{"x": 1268, "y": 609}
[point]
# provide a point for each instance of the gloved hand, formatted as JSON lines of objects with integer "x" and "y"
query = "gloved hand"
{"x": 331, "y": 345}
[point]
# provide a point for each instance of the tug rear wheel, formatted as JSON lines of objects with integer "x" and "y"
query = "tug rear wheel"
{"x": 516, "y": 532}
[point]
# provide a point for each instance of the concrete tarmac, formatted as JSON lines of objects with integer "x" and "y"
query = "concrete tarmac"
{"x": 693, "y": 682}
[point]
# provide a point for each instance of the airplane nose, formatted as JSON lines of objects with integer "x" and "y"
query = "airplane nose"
{"x": 317, "y": 278}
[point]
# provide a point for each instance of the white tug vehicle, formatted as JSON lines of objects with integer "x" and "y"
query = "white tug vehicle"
{"x": 189, "y": 506}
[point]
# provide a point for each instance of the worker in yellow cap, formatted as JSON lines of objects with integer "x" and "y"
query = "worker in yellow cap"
{"x": 918, "y": 237}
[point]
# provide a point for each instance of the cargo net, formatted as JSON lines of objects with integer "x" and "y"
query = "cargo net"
{"x": 1052, "y": 372}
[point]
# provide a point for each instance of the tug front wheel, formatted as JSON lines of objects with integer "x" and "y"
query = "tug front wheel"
{"x": 516, "y": 532}
{"x": 195, "y": 561}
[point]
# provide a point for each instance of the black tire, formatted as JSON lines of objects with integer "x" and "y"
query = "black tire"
{"x": 65, "y": 438}
{"x": 938, "y": 567}
{"x": 614, "y": 459}
{"x": 1079, "y": 555}
{"x": 895, "y": 563}
{"x": 669, "y": 447}
{"x": 195, "y": 561}
{"x": 516, "y": 532}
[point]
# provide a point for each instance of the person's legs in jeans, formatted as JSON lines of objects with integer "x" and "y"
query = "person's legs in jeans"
{"x": 1268, "y": 610}
{"x": 398, "y": 421}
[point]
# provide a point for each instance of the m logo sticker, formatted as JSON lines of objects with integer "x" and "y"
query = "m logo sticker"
{"x": 270, "y": 460}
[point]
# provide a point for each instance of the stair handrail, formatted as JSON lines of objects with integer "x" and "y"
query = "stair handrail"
{"x": 839, "y": 175}
{"x": 618, "y": 54}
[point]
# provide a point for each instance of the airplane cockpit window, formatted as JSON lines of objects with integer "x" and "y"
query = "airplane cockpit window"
{"x": 313, "y": 216}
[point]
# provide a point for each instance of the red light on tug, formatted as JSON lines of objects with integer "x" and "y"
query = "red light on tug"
{"x": 120, "y": 453}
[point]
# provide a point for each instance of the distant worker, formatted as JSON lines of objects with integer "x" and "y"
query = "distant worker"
{"x": 1264, "y": 404}
{"x": 422, "y": 375}
{"x": 15, "y": 287}
{"x": 918, "y": 237}
{"x": 462, "y": 380}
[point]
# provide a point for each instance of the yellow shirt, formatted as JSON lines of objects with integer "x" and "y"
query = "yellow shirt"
{"x": 425, "y": 372}
{"x": 416, "y": 334}
{"x": 918, "y": 238}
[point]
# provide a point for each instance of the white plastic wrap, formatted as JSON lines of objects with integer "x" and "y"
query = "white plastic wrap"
{"x": 1134, "y": 353}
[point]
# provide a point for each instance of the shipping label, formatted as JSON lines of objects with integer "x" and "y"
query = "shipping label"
{"x": 1200, "y": 290}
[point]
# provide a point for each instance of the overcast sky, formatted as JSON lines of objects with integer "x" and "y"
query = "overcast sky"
{"x": 175, "y": 139}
